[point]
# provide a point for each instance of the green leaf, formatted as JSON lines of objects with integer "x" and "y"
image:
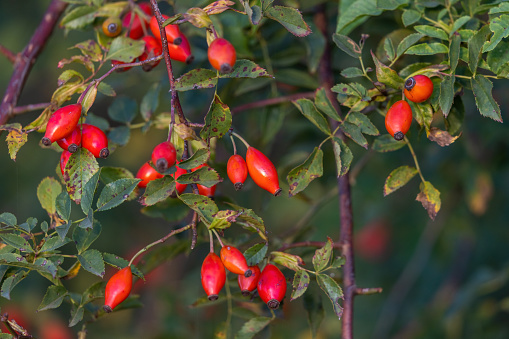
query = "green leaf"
{"x": 386, "y": 143}
{"x": 79, "y": 17}
{"x": 410, "y": 17}
{"x": 352, "y": 72}
{"x": 196, "y": 79}
{"x": 354, "y": 133}
{"x": 96, "y": 291}
{"x": 290, "y": 18}
{"x": 387, "y": 75}
{"x": 407, "y": 42}
{"x": 115, "y": 193}
{"x": 475, "y": 44}
{"x": 323, "y": 256}
{"x": 80, "y": 167}
{"x": 218, "y": 120}
{"x": 347, "y": 45}
{"x": 316, "y": 313}
{"x": 482, "y": 86}
{"x": 300, "y": 177}
{"x": 389, "y": 48}
{"x": 63, "y": 205}
{"x": 253, "y": 326}
{"x": 204, "y": 206}
{"x": 391, "y": 4}
{"x": 291, "y": 261}
{"x": 255, "y": 253}
{"x": 343, "y": 156}
{"x": 429, "y": 198}
{"x": 428, "y": 49}
{"x": 88, "y": 100}
{"x": 61, "y": 230}
{"x": 123, "y": 109}
{"x": 459, "y": 23}
{"x": 89, "y": 188}
{"x": 11, "y": 282}
{"x": 200, "y": 156}
{"x": 125, "y": 49}
{"x": 29, "y": 225}
{"x": 398, "y": 178}
{"x": 47, "y": 193}
{"x": 431, "y": 31}
{"x": 353, "y": 13}
{"x": 15, "y": 140}
{"x": 323, "y": 103}
{"x": 150, "y": 101}
{"x": 498, "y": 57}
{"x": 333, "y": 292}
{"x": 17, "y": 242}
{"x": 205, "y": 176}
{"x": 315, "y": 47}
{"x": 300, "y": 284}
{"x": 244, "y": 68}
{"x": 363, "y": 122}
{"x": 76, "y": 314}
{"x": 88, "y": 221}
{"x": 223, "y": 219}
{"x": 53, "y": 243}
{"x": 106, "y": 89}
{"x": 53, "y": 298}
{"x": 158, "y": 190}
{"x": 83, "y": 238}
{"x": 92, "y": 261}
{"x": 446, "y": 94}
{"x": 250, "y": 221}
{"x": 119, "y": 263}
{"x": 454, "y": 52}
{"x": 308, "y": 109}
{"x": 8, "y": 218}
{"x": 423, "y": 114}
{"x": 110, "y": 174}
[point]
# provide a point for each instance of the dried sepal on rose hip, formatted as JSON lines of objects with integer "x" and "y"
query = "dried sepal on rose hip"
{"x": 262, "y": 171}
{"x": 418, "y": 88}
{"x": 118, "y": 288}
{"x": 213, "y": 275}
{"x": 234, "y": 261}
{"x": 272, "y": 286}
{"x": 398, "y": 119}
{"x": 62, "y": 123}
{"x": 222, "y": 55}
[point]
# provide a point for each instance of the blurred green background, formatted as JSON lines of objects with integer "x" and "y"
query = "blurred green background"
{"x": 446, "y": 278}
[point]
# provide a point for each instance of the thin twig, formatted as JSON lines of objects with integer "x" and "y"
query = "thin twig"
{"x": 8, "y": 54}
{"x": 29, "y": 108}
{"x": 318, "y": 244}
{"x": 27, "y": 58}
{"x": 272, "y": 101}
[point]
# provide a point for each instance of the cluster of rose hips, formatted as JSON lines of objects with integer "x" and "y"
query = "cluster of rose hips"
{"x": 399, "y": 116}
{"x": 63, "y": 128}
{"x": 270, "y": 283}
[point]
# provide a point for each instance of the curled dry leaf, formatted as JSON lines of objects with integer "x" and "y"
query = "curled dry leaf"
{"x": 443, "y": 138}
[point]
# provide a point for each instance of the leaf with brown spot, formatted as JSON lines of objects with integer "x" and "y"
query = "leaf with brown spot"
{"x": 429, "y": 198}
{"x": 204, "y": 206}
{"x": 15, "y": 139}
{"x": 287, "y": 260}
{"x": 196, "y": 79}
{"x": 80, "y": 167}
{"x": 398, "y": 178}
{"x": 322, "y": 256}
{"x": 224, "y": 219}
{"x": 218, "y": 7}
{"x": 246, "y": 69}
{"x": 47, "y": 193}
{"x": 205, "y": 176}
{"x": 198, "y": 17}
{"x": 300, "y": 177}
{"x": 386, "y": 75}
{"x": 300, "y": 284}
{"x": 290, "y": 18}
{"x": 250, "y": 221}
{"x": 443, "y": 138}
{"x": 218, "y": 120}
{"x": 157, "y": 190}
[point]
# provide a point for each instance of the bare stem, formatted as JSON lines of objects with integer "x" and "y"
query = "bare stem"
{"x": 27, "y": 58}
{"x": 272, "y": 101}
{"x": 317, "y": 244}
{"x": 211, "y": 239}
{"x": 218, "y": 237}
{"x": 29, "y": 108}
{"x": 234, "y": 146}
{"x": 415, "y": 158}
{"x": 241, "y": 139}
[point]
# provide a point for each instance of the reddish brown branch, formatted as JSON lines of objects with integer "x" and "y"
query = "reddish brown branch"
{"x": 343, "y": 182}
{"x": 317, "y": 244}
{"x": 8, "y": 54}
{"x": 29, "y": 108}
{"x": 272, "y": 101}
{"x": 27, "y": 58}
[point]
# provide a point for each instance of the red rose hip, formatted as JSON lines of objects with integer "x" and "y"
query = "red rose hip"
{"x": 164, "y": 156}
{"x": 248, "y": 285}
{"x": 418, "y": 88}
{"x": 173, "y": 34}
{"x": 398, "y": 119}
{"x": 262, "y": 171}
{"x": 118, "y": 288}
{"x": 234, "y": 261}
{"x": 94, "y": 140}
{"x": 71, "y": 141}
{"x": 213, "y": 275}
{"x": 61, "y": 123}
{"x": 136, "y": 28}
{"x": 237, "y": 171}
{"x": 222, "y": 55}
{"x": 146, "y": 173}
{"x": 272, "y": 286}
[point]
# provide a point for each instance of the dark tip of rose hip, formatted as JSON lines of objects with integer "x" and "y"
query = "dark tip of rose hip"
{"x": 410, "y": 83}
{"x": 213, "y": 297}
{"x": 104, "y": 153}
{"x": 399, "y": 136}
{"x": 278, "y": 192}
{"x": 238, "y": 186}
{"x": 189, "y": 59}
{"x": 245, "y": 293}
{"x": 226, "y": 68}
{"x": 161, "y": 165}
{"x": 273, "y": 304}
{"x": 46, "y": 141}
{"x": 177, "y": 41}
{"x": 248, "y": 273}
{"x": 107, "y": 309}
{"x": 72, "y": 148}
